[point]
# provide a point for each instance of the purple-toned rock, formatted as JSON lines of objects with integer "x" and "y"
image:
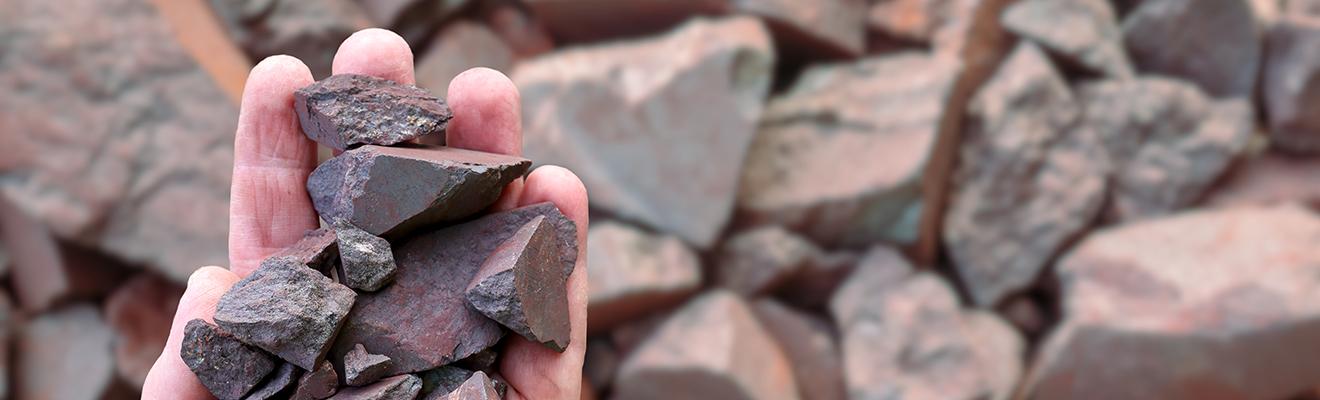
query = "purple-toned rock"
{"x": 287, "y": 309}
{"x": 412, "y": 19}
{"x": 809, "y": 343}
{"x": 362, "y": 186}
{"x": 1083, "y": 32}
{"x": 477, "y": 387}
{"x": 347, "y": 110}
{"x": 65, "y": 354}
{"x": 761, "y": 260}
{"x": 522, "y": 286}
{"x": 317, "y": 249}
{"x": 634, "y": 272}
{"x": 366, "y": 259}
{"x": 401, "y": 387}
{"x": 481, "y": 361}
{"x": 226, "y": 366}
{"x": 309, "y": 30}
{"x": 622, "y": 117}
{"x": 435, "y": 268}
{"x": 317, "y": 384}
{"x": 1214, "y": 43}
{"x": 361, "y": 367}
{"x": 1289, "y": 85}
{"x": 141, "y": 312}
{"x": 278, "y": 385}
{"x": 1270, "y": 179}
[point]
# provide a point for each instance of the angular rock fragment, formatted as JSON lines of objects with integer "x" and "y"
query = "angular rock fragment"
{"x": 1167, "y": 141}
{"x": 522, "y": 286}
{"x": 141, "y": 312}
{"x": 64, "y": 354}
{"x": 1288, "y": 85}
{"x": 608, "y": 113}
{"x": 477, "y": 387}
{"x": 317, "y": 249}
{"x": 278, "y": 385}
{"x": 348, "y": 110}
{"x": 434, "y": 269}
{"x": 712, "y": 348}
{"x": 634, "y": 272}
{"x": 362, "y": 186}
{"x": 48, "y": 272}
{"x": 361, "y": 367}
{"x": 1271, "y": 179}
{"x": 226, "y": 366}
{"x": 762, "y": 260}
{"x": 287, "y": 309}
{"x": 1214, "y": 43}
{"x": 1083, "y": 32}
{"x": 1027, "y": 182}
{"x": 481, "y": 361}
{"x": 1191, "y": 305}
{"x": 308, "y": 30}
{"x": 440, "y": 381}
{"x": 366, "y": 259}
{"x": 400, "y": 387}
{"x": 905, "y": 335}
{"x": 855, "y": 110}
{"x": 317, "y": 384}
{"x": 809, "y": 344}
{"x": 460, "y": 46}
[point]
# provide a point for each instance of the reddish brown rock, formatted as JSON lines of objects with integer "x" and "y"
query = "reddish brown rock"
{"x": 48, "y": 272}
{"x": 278, "y": 385}
{"x": 361, "y": 367}
{"x": 634, "y": 272}
{"x": 286, "y": 309}
{"x": 412, "y": 19}
{"x": 853, "y": 110}
{"x": 477, "y": 387}
{"x": 460, "y": 46}
{"x": 1211, "y": 301}
{"x": 64, "y": 354}
{"x": 348, "y": 110}
{"x": 360, "y": 186}
{"x": 439, "y": 382}
{"x": 761, "y": 260}
{"x": 366, "y": 259}
{"x": 513, "y": 23}
{"x": 521, "y": 285}
{"x": 1271, "y": 179}
{"x": 1214, "y": 43}
{"x": 809, "y": 343}
{"x": 1027, "y": 182}
{"x": 1083, "y": 32}
{"x": 712, "y": 348}
{"x": 401, "y": 387}
{"x": 309, "y": 30}
{"x": 317, "y": 384}
{"x": 434, "y": 269}
{"x": 136, "y": 163}
{"x": 226, "y": 366}
{"x": 612, "y": 115}
{"x": 141, "y": 312}
{"x": 812, "y": 286}
{"x": 318, "y": 249}
{"x": 1288, "y": 84}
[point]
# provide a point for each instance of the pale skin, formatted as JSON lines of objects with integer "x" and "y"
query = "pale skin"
{"x": 270, "y": 208}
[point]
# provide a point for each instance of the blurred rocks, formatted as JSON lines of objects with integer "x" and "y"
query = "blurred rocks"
{"x": 308, "y": 30}
{"x": 140, "y": 312}
{"x": 1213, "y": 43}
{"x": 65, "y": 354}
{"x": 1218, "y": 301}
{"x": 412, "y": 19}
{"x": 633, "y": 272}
{"x": 762, "y": 260}
{"x": 622, "y": 117}
{"x": 1083, "y": 32}
{"x": 525, "y": 35}
{"x": 1288, "y": 89}
{"x": 711, "y": 348}
{"x": 462, "y": 45}
{"x": 46, "y": 271}
{"x": 522, "y": 286}
{"x": 348, "y": 110}
{"x": 286, "y": 309}
{"x": 851, "y": 110}
{"x": 905, "y": 336}
{"x": 810, "y": 345}
{"x": 1271, "y": 179}
{"x": 602, "y": 361}
{"x": 137, "y": 162}
{"x": 1026, "y": 184}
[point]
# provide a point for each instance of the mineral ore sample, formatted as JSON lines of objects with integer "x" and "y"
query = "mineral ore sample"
{"x": 226, "y": 366}
{"x": 522, "y": 286}
{"x": 366, "y": 259}
{"x": 286, "y": 309}
{"x": 317, "y": 384}
{"x": 477, "y": 387}
{"x": 361, "y": 367}
{"x": 276, "y": 384}
{"x": 317, "y": 249}
{"x": 401, "y": 387}
{"x": 348, "y": 110}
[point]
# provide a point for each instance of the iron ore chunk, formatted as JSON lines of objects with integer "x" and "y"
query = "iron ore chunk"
{"x": 286, "y": 309}
{"x": 401, "y": 387}
{"x": 434, "y": 269}
{"x": 347, "y": 110}
{"x": 361, "y": 367}
{"x": 317, "y": 384}
{"x": 363, "y": 186}
{"x": 226, "y": 366}
{"x": 477, "y": 387}
{"x": 317, "y": 249}
{"x": 438, "y": 382}
{"x": 521, "y": 287}
{"x": 277, "y": 384}
{"x": 367, "y": 260}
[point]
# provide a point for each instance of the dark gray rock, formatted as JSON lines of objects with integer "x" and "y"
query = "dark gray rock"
{"x": 521, "y": 286}
{"x": 1290, "y": 85}
{"x": 226, "y": 366}
{"x": 317, "y": 249}
{"x": 366, "y": 259}
{"x": 477, "y": 387}
{"x": 1214, "y": 43}
{"x": 361, "y": 367}
{"x": 362, "y": 186}
{"x": 348, "y": 110}
{"x": 1083, "y": 32}
{"x": 440, "y": 381}
{"x": 278, "y": 385}
{"x": 317, "y": 384}
{"x": 401, "y": 387}
{"x": 287, "y": 309}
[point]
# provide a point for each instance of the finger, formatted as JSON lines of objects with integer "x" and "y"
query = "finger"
{"x": 487, "y": 117}
{"x": 269, "y": 207}
{"x": 539, "y": 372}
{"x": 375, "y": 52}
{"x": 170, "y": 378}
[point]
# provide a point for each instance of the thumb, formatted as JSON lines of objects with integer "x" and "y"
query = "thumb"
{"x": 170, "y": 378}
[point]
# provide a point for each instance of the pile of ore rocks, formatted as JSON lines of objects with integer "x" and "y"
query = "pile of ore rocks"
{"x": 411, "y": 287}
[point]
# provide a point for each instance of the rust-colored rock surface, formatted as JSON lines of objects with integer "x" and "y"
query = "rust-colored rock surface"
{"x": 810, "y": 344}
{"x": 634, "y": 272}
{"x": 521, "y": 285}
{"x": 317, "y": 384}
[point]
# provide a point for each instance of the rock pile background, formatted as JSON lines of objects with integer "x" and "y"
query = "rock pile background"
{"x": 863, "y": 199}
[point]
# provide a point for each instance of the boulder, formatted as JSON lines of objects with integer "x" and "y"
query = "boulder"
{"x": 1085, "y": 33}
{"x": 634, "y": 272}
{"x": 1213, "y": 43}
{"x": 1290, "y": 84}
{"x": 286, "y": 309}
{"x": 64, "y": 354}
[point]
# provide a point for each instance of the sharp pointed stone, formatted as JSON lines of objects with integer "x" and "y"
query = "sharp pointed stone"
{"x": 347, "y": 110}
{"x": 362, "y": 186}
{"x": 277, "y": 384}
{"x": 521, "y": 287}
{"x": 401, "y": 387}
{"x": 226, "y": 366}
{"x": 438, "y": 382}
{"x": 361, "y": 367}
{"x": 367, "y": 260}
{"x": 317, "y": 249}
{"x": 317, "y": 384}
{"x": 286, "y": 309}
{"x": 477, "y": 387}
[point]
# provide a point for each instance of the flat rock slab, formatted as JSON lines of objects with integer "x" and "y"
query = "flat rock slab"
{"x": 1214, "y": 43}
{"x": 317, "y": 384}
{"x": 712, "y": 348}
{"x": 1210, "y": 301}
{"x": 623, "y": 118}
{"x": 361, "y": 367}
{"x": 278, "y": 385}
{"x": 853, "y": 111}
{"x": 287, "y": 309}
{"x": 810, "y": 344}
{"x": 1027, "y": 182}
{"x": 435, "y": 268}
{"x": 401, "y": 387}
{"x": 348, "y": 110}
{"x": 226, "y": 366}
{"x": 522, "y": 286}
{"x": 761, "y": 260}
{"x": 362, "y": 186}
{"x": 65, "y": 354}
{"x": 634, "y": 272}
{"x": 366, "y": 259}
{"x": 1084, "y": 32}
{"x": 1287, "y": 88}
{"x": 476, "y": 387}
{"x": 318, "y": 249}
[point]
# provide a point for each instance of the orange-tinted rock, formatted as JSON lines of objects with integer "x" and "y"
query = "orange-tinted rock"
{"x": 65, "y": 354}
{"x": 809, "y": 342}
{"x": 634, "y": 272}
{"x": 1213, "y": 43}
{"x": 522, "y": 286}
{"x": 458, "y": 47}
{"x": 141, "y": 311}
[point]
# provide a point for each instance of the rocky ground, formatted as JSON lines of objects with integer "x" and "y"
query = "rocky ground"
{"x": 833, "y": 199}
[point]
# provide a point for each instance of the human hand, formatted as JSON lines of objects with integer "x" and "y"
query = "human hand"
{"x": 270, "y": 208}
